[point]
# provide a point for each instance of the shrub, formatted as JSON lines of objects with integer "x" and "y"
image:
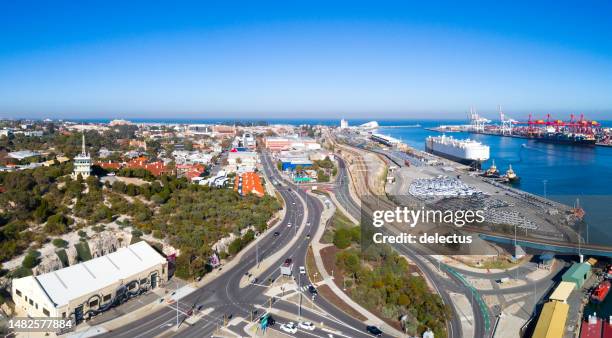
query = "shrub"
{"x": 157, "y": 234}
{"x": 31, "y": 259}
{"x": 60, "y": 243}
{"x": 21, "y": 272}
{"x": 63, "y": 257}
{"x": 342, "y": 238}
{"x": 56, "y": 225}
{"x": 83, "y": 252}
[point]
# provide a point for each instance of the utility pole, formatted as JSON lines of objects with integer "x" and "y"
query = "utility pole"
{"x": 300, "y": 291}
{"x": 535, "y": 297}
{"x": 257, "y": 252}
{"x": 545, "y": 181}
{"x": 517, "y": 271}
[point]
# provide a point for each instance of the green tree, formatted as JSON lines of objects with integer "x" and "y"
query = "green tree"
{"x": 31, "y": 259}
{"x": 57, "y": 225}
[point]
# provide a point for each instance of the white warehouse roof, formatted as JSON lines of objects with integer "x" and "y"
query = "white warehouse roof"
{"x": 85, "y": 278}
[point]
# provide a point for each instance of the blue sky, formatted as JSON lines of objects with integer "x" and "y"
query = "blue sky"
{"x": 313, "y": 59}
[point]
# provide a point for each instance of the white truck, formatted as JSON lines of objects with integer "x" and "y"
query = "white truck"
{"x": 287, "y": 267}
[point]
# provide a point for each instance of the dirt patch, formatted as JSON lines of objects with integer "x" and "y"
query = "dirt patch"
{"x": 311, "y": 267}
{"x": 328, "y": 255}
{"x": 327, "y": 293}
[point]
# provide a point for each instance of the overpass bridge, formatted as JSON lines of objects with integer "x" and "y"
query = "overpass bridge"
{"x": 556, "y": 247}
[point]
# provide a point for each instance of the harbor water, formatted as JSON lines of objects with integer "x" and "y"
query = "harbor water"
{"x": 560, "y": 172}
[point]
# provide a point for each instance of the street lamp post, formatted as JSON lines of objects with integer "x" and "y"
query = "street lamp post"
{"x": 535, "y": 297}
{"x": 257, "y": 252}
{"x": 177, "y": 304}
{"x": 300, "y": 301}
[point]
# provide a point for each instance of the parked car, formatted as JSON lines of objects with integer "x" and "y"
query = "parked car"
{"x": 374, "y": 330}
{"x": 306, "y": 326}
{"x": 289, "y": 327}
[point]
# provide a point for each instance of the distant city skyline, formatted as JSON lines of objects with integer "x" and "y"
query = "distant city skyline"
{"x": 317, "y": 60}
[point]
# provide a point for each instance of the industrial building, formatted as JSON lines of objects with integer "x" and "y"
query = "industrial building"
{"x": 577, "y": 274}
{"x": 91, "y": 287}
{"x": 244, "y": 158}
{"x": 274, "y": 143}
{"x": 551, "y": 323}
{"x": 384, "y": 139}
{"x": 293, "y": 164}
{"x": 562, "y": 292}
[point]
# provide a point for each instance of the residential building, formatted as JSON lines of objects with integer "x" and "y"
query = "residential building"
{"x": 190, "y": 171}
{"x": 23, "y": 154}
{"x": 248, "y": 183}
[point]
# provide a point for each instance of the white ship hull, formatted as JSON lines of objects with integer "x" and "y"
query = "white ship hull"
{"x": 462, "y": 151}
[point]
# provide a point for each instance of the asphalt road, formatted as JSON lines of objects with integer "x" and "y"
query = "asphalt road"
{"x": 443, "y": 286}
{"x": 225, "y": 297}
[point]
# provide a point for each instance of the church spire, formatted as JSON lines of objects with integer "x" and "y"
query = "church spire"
{"x": 83, "y": 146}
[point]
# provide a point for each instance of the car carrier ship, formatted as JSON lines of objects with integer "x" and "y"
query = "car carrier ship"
{"x": 467, "y": 151}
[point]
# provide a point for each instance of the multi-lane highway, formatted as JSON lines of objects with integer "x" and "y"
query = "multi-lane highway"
{"x": 223, "y": 297}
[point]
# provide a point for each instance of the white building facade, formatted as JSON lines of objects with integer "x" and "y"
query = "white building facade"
{"x": 91, "y": 287}
{"x": 82, "y": 163}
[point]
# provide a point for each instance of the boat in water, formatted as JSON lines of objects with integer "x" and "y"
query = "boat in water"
{"x": 600, "y": 292}
{"x": 607, "y": 328}
{"x": 511, "y": 175}
{"x": 468, "y": 152}
{"x": 492, "y": 172}
{"x": 565, "y": 138}
{"x": 591, "y": 327}
{"x": 608, "y": 274}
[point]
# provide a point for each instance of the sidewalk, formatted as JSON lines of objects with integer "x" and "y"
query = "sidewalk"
{"x": 317, "y": 246}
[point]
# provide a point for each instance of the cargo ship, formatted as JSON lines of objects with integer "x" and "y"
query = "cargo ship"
{"x": 591, "y": 328}
{"x": 467, "y": 151}
{"x": 600, "y": 292}
{"x": 607, "y": 328}
{"x": 564, "y": 138}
